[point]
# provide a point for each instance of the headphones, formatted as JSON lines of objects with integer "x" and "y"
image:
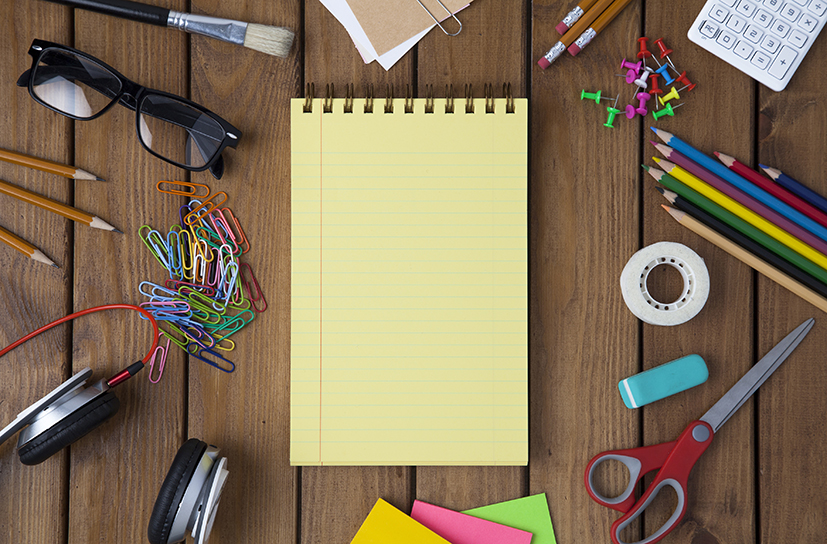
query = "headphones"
{"x": 188, "y": 499}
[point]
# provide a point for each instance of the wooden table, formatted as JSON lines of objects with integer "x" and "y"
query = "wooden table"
{"x": 590, "y": 208}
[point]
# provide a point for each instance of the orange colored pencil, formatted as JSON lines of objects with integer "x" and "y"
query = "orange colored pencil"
{"x": 46, "y": 166}
{"x": 55, "y": 207}
{"x": 24, "y": 247}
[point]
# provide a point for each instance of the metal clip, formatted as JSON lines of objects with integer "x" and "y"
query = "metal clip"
{"x": 437, "y": 22}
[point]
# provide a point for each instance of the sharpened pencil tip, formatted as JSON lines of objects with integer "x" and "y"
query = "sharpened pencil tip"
{"x": 645, "y": 167}
{"x": 654, "y": 143}
{"x": 660, "y": 189}
{"x": 762, "y": 166}
{"x": 656, "y": 159}
{"x": 717, "y": 154}
{"x": 56, "y": 266}
{"x": 118, "y": 231}
{"x": 99, "y": 179}
{"x": 665, "y": 207}
{"x": 654, "y": 129}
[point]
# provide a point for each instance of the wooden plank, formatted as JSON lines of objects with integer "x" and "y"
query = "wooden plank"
{"x": 32, "y": 294}
{"x": 584, "y": 226}
{"x": 247, "y": 413}
{"x": 497, "y": 33}
{"x": 721, "y": 493}
{"x": 792, "y": 403}
{"x": 125, "y": 461}
{"x": 336, "y": 500}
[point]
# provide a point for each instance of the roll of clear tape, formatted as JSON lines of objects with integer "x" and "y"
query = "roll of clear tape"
{"x": 695, "y": 292}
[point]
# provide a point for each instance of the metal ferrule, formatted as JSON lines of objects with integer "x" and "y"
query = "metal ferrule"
{"x": 585, "y": 38}
{"x": 573, "y": 16}
{"x": 555, "y": 52}
{"x": 225, "y": 30}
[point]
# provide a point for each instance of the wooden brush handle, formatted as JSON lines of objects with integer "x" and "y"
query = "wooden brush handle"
{"x": 133, "y": 11}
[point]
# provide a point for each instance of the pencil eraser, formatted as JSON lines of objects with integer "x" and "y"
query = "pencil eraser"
{"x": 662, "y": 381}
{"x": 561, "y": 28}
{"x": 544, "y": 63}
{"x": 573, "y": 49}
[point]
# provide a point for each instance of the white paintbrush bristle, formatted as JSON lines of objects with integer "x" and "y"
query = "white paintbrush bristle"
{"x": 273, "y": 40}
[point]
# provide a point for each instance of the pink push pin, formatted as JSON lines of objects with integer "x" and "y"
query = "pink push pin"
{"x": 631, "y": 76}
{"x": 643, "y": 97}
{"x": 630, "y": 111}
{"x": 626, "y": 64}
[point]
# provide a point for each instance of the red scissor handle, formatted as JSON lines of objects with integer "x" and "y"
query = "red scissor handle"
{"x": 692, "y": 442}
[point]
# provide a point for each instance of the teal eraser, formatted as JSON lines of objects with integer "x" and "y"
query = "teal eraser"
{"x": 664, "y": 380}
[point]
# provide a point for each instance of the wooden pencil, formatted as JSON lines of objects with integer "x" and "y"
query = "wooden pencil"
{"x": 795, "y": 187}
{"x": 574, "y": 32}
{"x": 748, "y": 258}
{"x": 55, "y": 207}
{"x": 24, "y": 247}
{"x": 573, "y": 16}
{"x": 46, "y": 166}
{"x": 597, "y": 27}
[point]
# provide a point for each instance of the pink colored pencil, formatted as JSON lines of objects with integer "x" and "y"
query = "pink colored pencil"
{"x": 772, "y": 188}
{"x": 764, "y": 211}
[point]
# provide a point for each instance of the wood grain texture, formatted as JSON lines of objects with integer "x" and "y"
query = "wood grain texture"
{"x": 791, "y": 405}
{"x": 583, "y": 227}
{"x": 32, "y": 294}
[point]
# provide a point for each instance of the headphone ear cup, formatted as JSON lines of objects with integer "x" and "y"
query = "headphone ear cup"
{"x": 172, "y": 490}
{"x": 66, "y": 431}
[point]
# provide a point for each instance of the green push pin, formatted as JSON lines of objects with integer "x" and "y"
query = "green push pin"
{"x": 612, "y": 112}
{"x": 592, "y": 96}
{"x": 668, "y": 110}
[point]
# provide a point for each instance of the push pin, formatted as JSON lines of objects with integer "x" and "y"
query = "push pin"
{"x": 593, "y": 96}
{"x": 630, "y": 111}
{"x": 653, "y": 85}
{"x": 636, "y": 67}
{"x": 668, "y": 110}
{"x": 668, "y": 96}
{"x": 641, "y": 81}
{"x": 643, "y": 97}
{"x": 612, "y": 113}
{"x": 685, "y": 80}
{"x": 644, "y": 52}
{"x": 665, "y": 74}
{"x": 630, "y": 76}
{"x": 664, "y": 52}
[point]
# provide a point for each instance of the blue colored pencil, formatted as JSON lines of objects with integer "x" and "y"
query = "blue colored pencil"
{"x": 801, "y": 191}
{"x": 731, "y": 177}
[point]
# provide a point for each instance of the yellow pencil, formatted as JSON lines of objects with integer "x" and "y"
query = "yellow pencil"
{"x": 743, "y": 212}
{"x": 748, "y": 258}
{"x": 46, "y": 166}
{"x": 24, "y": 247}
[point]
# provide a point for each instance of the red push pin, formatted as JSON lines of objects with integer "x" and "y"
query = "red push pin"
{"x": 653, "y": 84}
{"x": 685, "y": 80}
{"x": 664, "y": 52}
{"x": 644, "y": 52}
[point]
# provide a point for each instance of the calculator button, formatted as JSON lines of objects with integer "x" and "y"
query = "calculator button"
{"x": 726, "y": 39}
{"x": 772, "y": 5}
{"x": 783, "y": 62}
{"x": 728, "y": 3}
{"x": 780, "y": 28}
{"x": 763, "y": 18}
{"x": 790, "y": 12}
{"x": 819, "y": 7}
{"x": 745, "y": 8}
{"x": 761, "y": 60}
{"x": 798, "y": 38}
{"x": 736, "y": 23}
{"x": 718, "y": 13}
{"x": 743, "y": 49}
{"x": 753, "y": 34}
{"x": 801, "y": 2}
{"x": 709, "y": 29}
{"x": 770, "y": 43}
{"x": 808, "y": 23}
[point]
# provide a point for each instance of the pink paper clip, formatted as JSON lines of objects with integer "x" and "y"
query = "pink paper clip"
{"x": 240, "y": 238}
{"x": 258, "y": 295}
{"x": 164, "y": 352}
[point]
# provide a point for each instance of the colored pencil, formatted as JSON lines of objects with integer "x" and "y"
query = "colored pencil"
{"x": 46, "y": 166}
{"x": 597, "y": 27}
{"x": 24, "y": 247}
{"x": 761, "y": 250}
{"x": 574, "y": 33}
{"x": 573, "y": 16}
{"x": 55, "y": 207}
{"x": 795, "y": 187}
{"x": 744, "y": 213}
{"x": 775, "y": 190}
{"x": 749, "y": 259}
{"x": 731, "y": 177}
{"x": 767, "y": 213}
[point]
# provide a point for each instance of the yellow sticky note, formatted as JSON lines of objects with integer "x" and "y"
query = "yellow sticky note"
{"x": 409, "y": 338}
{"x": 387, "y": 525}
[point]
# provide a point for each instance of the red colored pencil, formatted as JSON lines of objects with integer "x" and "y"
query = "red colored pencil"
{"x": 772, "y": 188}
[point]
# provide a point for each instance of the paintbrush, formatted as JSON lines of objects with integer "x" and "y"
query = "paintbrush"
{"x": 267, "y": 39}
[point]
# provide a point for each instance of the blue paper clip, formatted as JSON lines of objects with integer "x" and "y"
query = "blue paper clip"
{"x": 199, "y": 354}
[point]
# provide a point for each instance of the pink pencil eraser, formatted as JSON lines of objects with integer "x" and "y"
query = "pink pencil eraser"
{"x": 544, "y": 63}
{"x": 561, "y": 28}
{"x": 573, "y": 49}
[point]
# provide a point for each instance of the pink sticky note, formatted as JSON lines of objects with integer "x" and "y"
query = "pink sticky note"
{"x": 460, "y": 528}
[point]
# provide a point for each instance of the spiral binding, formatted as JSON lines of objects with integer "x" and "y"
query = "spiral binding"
{"x": 490, "y": 99}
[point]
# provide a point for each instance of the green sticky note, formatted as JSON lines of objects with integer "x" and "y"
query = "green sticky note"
{"x": 528, "y": 513}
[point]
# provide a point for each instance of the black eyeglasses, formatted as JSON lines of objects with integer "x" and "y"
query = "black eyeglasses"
{"x": 170, "y": 127}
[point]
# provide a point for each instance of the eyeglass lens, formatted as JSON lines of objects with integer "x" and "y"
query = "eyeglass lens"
{"x": 72, "y": 84}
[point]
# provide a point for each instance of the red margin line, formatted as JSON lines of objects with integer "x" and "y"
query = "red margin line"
{"x": 321, "y": 113}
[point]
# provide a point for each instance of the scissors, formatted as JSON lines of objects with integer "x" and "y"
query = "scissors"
{"x": 676, "y": 459}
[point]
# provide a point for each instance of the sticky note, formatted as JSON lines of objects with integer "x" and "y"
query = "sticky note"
{"x": 387, "y": 525}
{"x": 459, "y": 528}
{"x": 528, "y": 513}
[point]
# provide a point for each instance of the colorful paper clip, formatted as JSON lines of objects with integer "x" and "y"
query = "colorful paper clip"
{"x": 253, "y": 296}
{"x": 164, "y": 351}
{"x": 199, "y": 351}
{"x": 189, "y": 189}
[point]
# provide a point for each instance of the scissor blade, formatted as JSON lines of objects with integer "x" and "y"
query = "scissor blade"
{"x": 755, "y": 377}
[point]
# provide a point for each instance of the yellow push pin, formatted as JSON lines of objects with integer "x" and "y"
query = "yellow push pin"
{"x": 668, "y": 96}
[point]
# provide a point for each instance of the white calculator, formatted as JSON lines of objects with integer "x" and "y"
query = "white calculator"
{"x": 765, "y": 39}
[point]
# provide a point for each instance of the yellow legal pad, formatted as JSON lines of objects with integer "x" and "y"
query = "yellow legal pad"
{"x": 409, "y": 285}
{"x": 387, "y": 525}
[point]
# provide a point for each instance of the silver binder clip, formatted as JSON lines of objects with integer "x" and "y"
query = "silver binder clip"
{"x": 437, "y": 22}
